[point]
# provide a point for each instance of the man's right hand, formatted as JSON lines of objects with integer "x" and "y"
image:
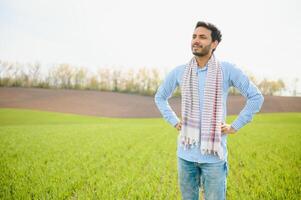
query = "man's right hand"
{"x": 178, "y": 126}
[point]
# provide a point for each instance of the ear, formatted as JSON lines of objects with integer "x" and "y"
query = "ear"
{"x": 214, "y": 44}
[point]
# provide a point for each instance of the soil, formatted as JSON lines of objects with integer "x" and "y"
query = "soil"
{"x": 111, "y": 104}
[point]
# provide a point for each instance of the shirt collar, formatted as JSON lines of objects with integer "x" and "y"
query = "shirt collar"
{"x": 203, "y": 69}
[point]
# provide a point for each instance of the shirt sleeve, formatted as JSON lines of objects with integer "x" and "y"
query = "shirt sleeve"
{"x": 253, "y": 96}
{"x": 163, "y": 93}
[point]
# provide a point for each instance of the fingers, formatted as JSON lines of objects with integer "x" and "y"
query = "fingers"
{"x": 227, "y": 129}
{"x": 178, "y": 126}
{"x": 224, "y": 128}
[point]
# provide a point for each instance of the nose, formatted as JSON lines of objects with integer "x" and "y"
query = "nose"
{"x": 195, "y": 41}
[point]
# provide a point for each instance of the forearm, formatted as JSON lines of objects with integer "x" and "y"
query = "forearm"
{"x": 165, "y": 109}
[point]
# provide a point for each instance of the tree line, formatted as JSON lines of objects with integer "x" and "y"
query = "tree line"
{"x": 143, "y": 81}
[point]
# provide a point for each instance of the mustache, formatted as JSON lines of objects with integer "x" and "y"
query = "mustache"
{"x": 197, "y": 45}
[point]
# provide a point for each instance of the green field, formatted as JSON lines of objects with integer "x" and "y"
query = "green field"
{"x": 47, "y": 155}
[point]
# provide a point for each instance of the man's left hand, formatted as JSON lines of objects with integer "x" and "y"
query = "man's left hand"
{"x": 227, "y": 129}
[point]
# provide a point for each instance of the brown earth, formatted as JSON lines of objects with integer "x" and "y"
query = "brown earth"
{"x": 110, "y": 104}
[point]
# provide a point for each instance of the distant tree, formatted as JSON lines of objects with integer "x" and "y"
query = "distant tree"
{"x": 93, "y": 83}
{"x": 270, "y": 87}
{"x": 15, "y": 73}
{"x": 62, "y": 76}
{"x": 155, "y": 80}
{"x": 34, "y": 74}
{"x": 116, "y": 76}
{"x": 130, "y": 85}
{"x": 4, "y": 79}
{"x": 2, "y": 67}
{"x": 80, "y": 77}
{"x": 104, "y": 75}
{"x": 233, "y": 91}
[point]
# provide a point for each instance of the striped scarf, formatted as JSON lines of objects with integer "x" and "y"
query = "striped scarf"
{"x": 202, "y": 128}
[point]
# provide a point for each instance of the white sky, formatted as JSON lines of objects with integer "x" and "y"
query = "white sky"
{"x": 261, "y": 36}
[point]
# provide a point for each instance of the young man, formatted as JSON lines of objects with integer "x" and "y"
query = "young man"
{"x": 204, "y": 82}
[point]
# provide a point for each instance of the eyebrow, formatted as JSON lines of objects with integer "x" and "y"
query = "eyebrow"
{"x": 202, "y": 35}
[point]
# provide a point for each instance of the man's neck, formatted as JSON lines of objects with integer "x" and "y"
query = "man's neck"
{"x": 202, "y": 60}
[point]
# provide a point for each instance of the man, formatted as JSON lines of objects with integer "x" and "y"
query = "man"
{"x": 204, "y": 82}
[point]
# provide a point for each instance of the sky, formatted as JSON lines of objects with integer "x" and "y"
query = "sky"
{"x": 260, "y": 36}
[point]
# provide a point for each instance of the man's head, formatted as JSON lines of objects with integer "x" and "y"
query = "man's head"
{"x": 205, "y": 39}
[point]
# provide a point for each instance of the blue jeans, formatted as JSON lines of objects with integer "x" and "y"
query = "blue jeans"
{"x": 210, "y": 176}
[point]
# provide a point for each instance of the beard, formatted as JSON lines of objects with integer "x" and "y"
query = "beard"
{"x": 205, "y": 51}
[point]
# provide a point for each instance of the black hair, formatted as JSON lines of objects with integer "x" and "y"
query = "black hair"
{"x": 215, "y": 32}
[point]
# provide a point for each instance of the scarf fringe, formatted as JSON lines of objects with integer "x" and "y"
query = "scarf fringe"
{"x": 188, "y": 143}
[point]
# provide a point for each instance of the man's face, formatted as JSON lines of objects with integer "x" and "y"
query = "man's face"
{"x": 201, "y": 43}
